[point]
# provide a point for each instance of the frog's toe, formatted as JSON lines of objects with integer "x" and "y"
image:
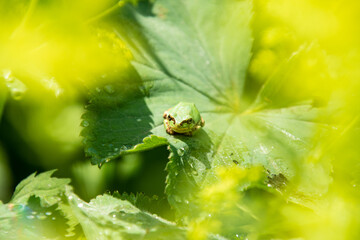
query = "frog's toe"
{"x": 202, "y": 122}
{"x": 170, "y": 131}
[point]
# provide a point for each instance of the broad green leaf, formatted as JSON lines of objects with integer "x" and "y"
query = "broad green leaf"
{"x": 6, "y": 216}
{"x": 207, "y": 74}
{"x": 152, "y": 204}
{"x": 107, "y": 217}
{"x": 32, "y": 221}
{"x": 198, "y": 51}
{"x": 47, "y": 188}
{"x": 38, "y": 209}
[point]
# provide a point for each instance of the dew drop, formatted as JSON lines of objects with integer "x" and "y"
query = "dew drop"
{"x": 181, "y": 151}
{"x": 41, "y": 217}
{"x": 123, "y": 148}
{"x": 10, "y": 79}
{"x": 264, "y": 149}
{"x": 177, "y": 199}
{"x": 85, "y": 123}
{"x": 191, "y": 164}
{"x": 70, "y": 197}
{"x": 16, "y": 93}
{"x": 6, "y": 74}
{"x": 30, "y": 217}
{"x": 139, "y": 120}
{"x": 269, "y": 185}
{"x": 109, "y": 89}
{"x": 107, "y": 232}
{"x": 80, "y": 205}
{"x": 53, "y": 218}
{"x": 116, "y": 149}
{"x": 48, "y": 213}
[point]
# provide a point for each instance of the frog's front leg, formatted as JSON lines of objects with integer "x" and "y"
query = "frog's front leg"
{"x": 202, "y": 123}
{"x": 170, "y": 131}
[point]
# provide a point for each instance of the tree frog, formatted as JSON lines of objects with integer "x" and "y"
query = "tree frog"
{"x": 184, "y": 118}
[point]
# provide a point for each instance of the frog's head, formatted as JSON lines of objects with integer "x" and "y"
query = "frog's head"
{"x": 183, "y": 118}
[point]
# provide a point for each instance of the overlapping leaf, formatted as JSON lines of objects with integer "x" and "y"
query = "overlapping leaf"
{"x": 66, "y": 215}
{"x": 107, "y": 217}
{"x": 42, "y": 186}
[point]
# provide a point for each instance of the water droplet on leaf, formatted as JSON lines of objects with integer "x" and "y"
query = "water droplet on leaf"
{"x": 40, "y": 216}
{"x": 85, "y": 123}
{"x": 181, "y": 151}
{"x": 6, "y": 74}
{"x": 16, "y": 93}
{"x": 109, "y": 89}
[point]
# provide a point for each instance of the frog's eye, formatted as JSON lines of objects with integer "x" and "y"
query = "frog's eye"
{"x": 170, "y": 118}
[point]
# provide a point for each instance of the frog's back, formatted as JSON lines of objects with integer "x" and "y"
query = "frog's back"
{"x": 184, "y": 110}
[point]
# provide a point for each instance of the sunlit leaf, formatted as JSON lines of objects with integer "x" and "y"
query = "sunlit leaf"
{"x": 42, "y": 186}
{"x": 109, "y": 217}
{"x": 180, "y": 57}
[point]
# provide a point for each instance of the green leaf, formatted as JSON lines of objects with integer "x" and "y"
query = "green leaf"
{"x": 38, "y": 209}
{"x": 33, "y": 221}
{"x": 47, "y": 188}
{"x": 205, "y": 79}
{"x": 198, "y": 51}
{"x": 15, "y": 87}
{"x": 6, "y": 216}
{"x": 107, "y": 217}
{"x": 154, "y": 204}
